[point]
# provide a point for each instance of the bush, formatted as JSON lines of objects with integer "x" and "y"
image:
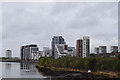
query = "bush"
{"x": 119, "y": 56}
{"x": 99, "y": 63}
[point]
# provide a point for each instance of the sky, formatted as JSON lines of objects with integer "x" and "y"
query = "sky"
{"x": 37, "y": 22}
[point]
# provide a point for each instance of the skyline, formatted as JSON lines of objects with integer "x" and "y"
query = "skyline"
{"x": 39, "y": 22}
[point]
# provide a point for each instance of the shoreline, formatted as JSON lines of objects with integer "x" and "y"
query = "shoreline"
{"x": 18, "y": 60}
{"x": 21, "y": 61}
{"x": 54, "y": 71}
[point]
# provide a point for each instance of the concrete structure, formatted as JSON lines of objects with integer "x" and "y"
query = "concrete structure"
{"x": 86, "y": 46}
{"x": 26, "y": 53}
{"x": 102, "y": 49}
{"x": 56, "y": 40}
{"x": 71, "y": 51}
{"x": 79, "y": 48}
{"x": 114, "y": 49}
{"x": 29, "y": 52}
{"x": 96, "y": 50}
{"x": 83, "y": 47}
{"x": 102, "y": 55}
{"x": 34, "y": 52}
{"x": 8, "y": 53}
{"x": 60, "y": 51}
{"x": 40, "y": 53}
{"x": 47, "y": 52}
{"x": 119, "y": 43}
{"x": 22, "y": 52}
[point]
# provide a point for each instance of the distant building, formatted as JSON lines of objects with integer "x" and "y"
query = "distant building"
{"x": 119, "y": 40}
{"x": 40, "y": 53}
{"x": 96, "y": 50}
{"x": 47, "y": 52}
{"x": 79, "y": 48}
{"x": 102, "y": 49}
{"x": 60, "y": 50}
{"x": 56, "y": 40}
{"x": 22, "y": 52}
{"x": 34, "y": 52}
{"x": 26, "y": 52}
{"x": 71, "y": 51}
{"x": 114, "y": 49}
{"x": 8, "y": 53}
{"x": 83, "y": 47}
{"x": 29, "y": 52}
{"x": 102, "y": 55}
{"x": 86, "y": 46}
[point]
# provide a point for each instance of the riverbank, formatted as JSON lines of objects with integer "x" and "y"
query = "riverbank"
{"x": 10, "y": 60}
{"x": 18, "y": 60}
{"x": 53, "y": 71}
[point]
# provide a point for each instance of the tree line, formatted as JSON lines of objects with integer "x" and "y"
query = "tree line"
{"x": 92, "y": 63}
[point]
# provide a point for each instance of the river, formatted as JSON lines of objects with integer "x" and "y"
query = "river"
{"x": 28, "y": 70}
{"x": 20, "y": 70}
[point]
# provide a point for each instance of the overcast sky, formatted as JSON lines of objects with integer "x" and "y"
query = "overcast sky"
{"x": 25, "y": 23}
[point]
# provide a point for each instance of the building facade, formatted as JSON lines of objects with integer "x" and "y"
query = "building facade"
{"x": 29, "y": 52}
{"x": 96, "y": 50}
{"x": 83, "y": 47}
{"x": 60, "y": 50}
{"x": 79, "y": 48}
{"x": 114, "y": 49}
{"x": 34, "y": 52}
{"x": 22, "y": 52}
{"x": 56, "y": 40}
{"x": 102, "y": 49}
{"x": 8, "y": 53}
{"x": 47, "y": 52}
{"x": 86, "y": 46}
{"x": 40, "y": 53}
{"x": 71, "y": 51}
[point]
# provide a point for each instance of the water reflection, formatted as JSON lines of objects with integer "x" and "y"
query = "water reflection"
{"x": 27, "y": 71}
{"x": 28, "y": 67}
{"x": 8, "y": 65}
{"x": 20, "y": 70}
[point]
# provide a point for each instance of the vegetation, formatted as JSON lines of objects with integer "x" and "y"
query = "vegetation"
{"x": 9, "y": 60}
{"x": 119, "y": 56}
{"x": 92, "y": 63}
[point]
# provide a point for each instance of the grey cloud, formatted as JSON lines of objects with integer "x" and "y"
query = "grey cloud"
{"x": 105, "y": 36}
{"x": 25, "y": 23}
{"x": 94, "y": 15}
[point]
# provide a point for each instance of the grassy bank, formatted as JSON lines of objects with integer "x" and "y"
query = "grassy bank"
{"x": 10, "y": 60}
{"x": 66, "y": 73}
{"x": 105, "y": 66}
{"x": 53, "y": 71}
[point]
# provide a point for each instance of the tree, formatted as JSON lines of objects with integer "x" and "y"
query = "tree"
{"x": 119, "y": 56}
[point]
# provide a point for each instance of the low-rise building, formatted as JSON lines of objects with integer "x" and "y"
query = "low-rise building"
{"x": 47, "y": 51}
{"x": 40, "y": 53}
{"x": 102, "y": 55}
{"x": 8, "y": 53}
{"x": 102, "y": 49}
{"x": 114, "y": 49}
{"x": 96, "y": 50}
{"x": 71, "y": 51}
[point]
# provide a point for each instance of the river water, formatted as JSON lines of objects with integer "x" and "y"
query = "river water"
{"x": 28, "y": 70}
{"x": 20, "y": 70}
